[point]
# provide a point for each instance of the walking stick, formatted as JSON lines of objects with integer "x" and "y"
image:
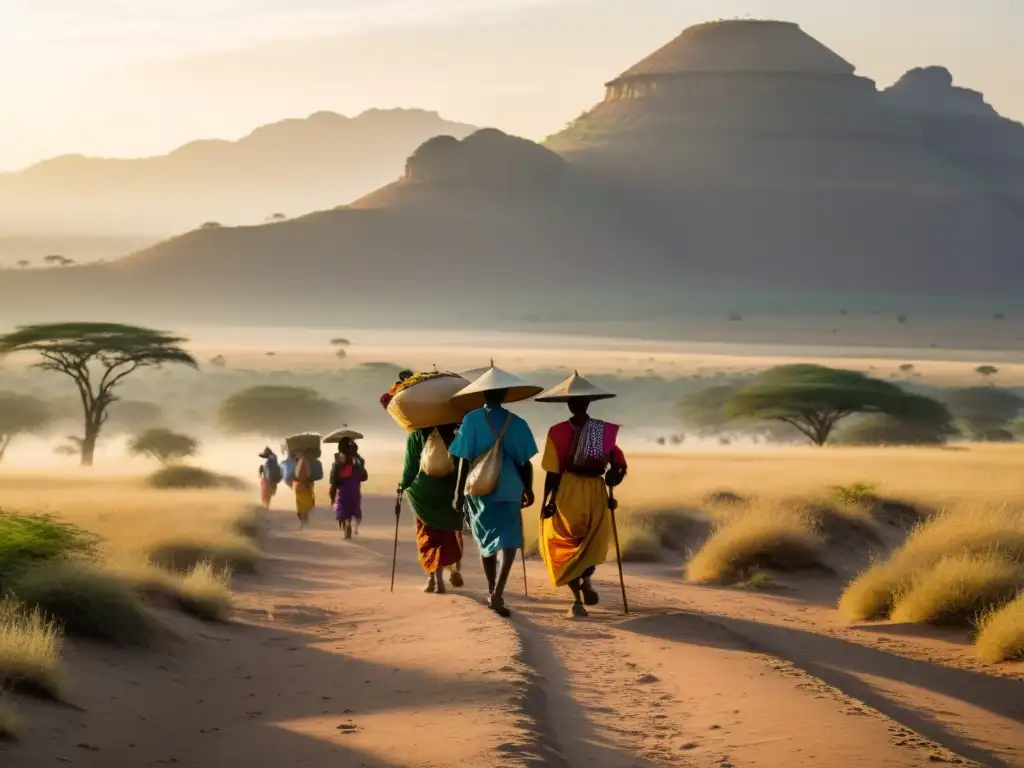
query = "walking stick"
{"x": 612, "y": 504}
{"x": 394, "y": 554}
{"x": 522, "y": 551}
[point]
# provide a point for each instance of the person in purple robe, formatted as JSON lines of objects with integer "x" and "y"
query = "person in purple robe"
{"x": 348, "y": 473}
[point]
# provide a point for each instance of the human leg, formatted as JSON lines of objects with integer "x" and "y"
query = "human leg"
{"x": 577, "y": 609}
{"x": 590, "y": 596}
{"x": 431, "y": 583}
{"x": 497, "y": 601}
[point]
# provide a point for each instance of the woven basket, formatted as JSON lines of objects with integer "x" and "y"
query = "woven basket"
{"x": 427, "y": 404}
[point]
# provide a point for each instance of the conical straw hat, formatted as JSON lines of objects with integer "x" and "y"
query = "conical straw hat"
{"x": 340, "y": 434}
{"x": 473, "y": 396}
{"x": 574, "y": 388}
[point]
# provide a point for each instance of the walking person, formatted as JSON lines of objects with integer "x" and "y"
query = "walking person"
{"x": 494, "y": 508}
{"x": 430, "y": 479}
{"x": 270, "y": 476}
{"x": 348, "y": 473}
{"x": 302, "y": 470}
{"x": 582, "y": 460}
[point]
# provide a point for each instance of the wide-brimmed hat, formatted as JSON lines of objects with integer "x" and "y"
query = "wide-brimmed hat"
{"x": 340, "y": 434}
{"x": 494, "y": 379}
{"x": 267, "y": 453}
{"x": 574, "y": 388}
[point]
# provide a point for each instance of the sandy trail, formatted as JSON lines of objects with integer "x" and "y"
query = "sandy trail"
{"x": 324, "y": 667}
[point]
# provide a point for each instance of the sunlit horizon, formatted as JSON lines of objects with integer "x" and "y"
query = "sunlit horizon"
{"x": 127, "y": 79}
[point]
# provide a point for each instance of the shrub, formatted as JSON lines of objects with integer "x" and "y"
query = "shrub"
{"x": 957, "y": 590}
{"x": 29, "y": 651}
{"x": 779, "y": 538}
{"x": 183, "y": 555}
{"x": 87, "y": 602}
{"x": 29, "y": 540}
{"x": 871, "y": 595}
{"x": 1001, "y": 632}
{"x": 856, "y": 494}
{"x": 758, "y": 580}
{"x": 183, "y": 477}
{"x": 675, "y": 529}
{"x": 164, "y": 445}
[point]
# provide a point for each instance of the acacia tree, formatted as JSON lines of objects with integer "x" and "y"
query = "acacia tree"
{"x": 277, "y": 411}
{"x": 164, "y": 445}
{"x": 97, "y": 357}
{"x": 984, "y": 410}
{"x": 813, "y": 399}
{"x": 20, "y": 414}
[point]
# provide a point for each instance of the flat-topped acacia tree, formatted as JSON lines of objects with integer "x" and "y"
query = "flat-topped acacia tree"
{"x": 97, "y": 357}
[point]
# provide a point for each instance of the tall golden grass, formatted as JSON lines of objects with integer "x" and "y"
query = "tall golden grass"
{"x": 29, "y": 651}
{"x": 1001, "y": 632}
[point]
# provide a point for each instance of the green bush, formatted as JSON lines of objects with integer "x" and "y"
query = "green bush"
{"x": 88, "y": 603}
{"x": 30, "y": 540}
{"x": 856, "y": 494}
{"x": 181, "y": 477}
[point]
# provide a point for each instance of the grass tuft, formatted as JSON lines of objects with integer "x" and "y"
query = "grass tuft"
{"x": 206, "y": 593}
{"x": 29, "y": 540}
{"x": 29, "y": 651}
{"x": 990, "y": 533}
{"x": 88, "y": 602}
{"x": 775, "y": 538}
{"x": 184, "y": 477}
{"x": 957, "y": 590}
{"x": 757, "y": 581}
{"x": 230, "y": 553}
{"x": 1001, "y": 632}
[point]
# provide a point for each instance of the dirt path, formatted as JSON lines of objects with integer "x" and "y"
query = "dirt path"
{"x": 324, "y": 667}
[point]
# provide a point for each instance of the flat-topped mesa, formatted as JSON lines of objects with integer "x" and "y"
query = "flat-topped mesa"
{"x": 745, "y": 47}
{"x": 739, "y": 77}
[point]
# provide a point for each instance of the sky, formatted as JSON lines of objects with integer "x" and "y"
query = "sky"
{"x": 128, "y": 78}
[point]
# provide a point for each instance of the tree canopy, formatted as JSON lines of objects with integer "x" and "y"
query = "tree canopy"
{"x": 813, "y": 399}
{"x": 273, "y": 410}
{"x": 134, "y": 415}
{"x": 879, "y": 429}
{"x": 163, "y": 445}
{"x": 20, "y": 414}
{"x": 97, "y": 357}
{"x": 704, "y": 411}
{"x": 983, "y": 410}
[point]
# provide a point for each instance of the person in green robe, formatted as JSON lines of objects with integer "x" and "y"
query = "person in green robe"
{"x": 438, "y": 525}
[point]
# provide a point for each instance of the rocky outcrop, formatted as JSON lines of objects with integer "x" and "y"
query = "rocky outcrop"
{"x": 486, "y": 156}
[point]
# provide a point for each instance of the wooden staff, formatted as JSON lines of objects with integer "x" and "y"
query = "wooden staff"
{"x": 522, "y": 551}
{"x": 612, "y": 504}
{"x": 394, "y": 554}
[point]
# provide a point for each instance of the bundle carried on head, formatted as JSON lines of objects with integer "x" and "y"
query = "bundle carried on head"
{"x": 424, "y": 400}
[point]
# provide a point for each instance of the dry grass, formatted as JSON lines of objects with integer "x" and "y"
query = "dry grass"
{"x": 638, "y": 542}
{"x": 133, "y": 520}
{"x": 29, "y": 651}
{"x": 994, "y": 533}
{"x": 204, "y": 591}
{"x": 957, "y": 590}
{"x": 1001, "y": 633}
{"x": 760, "y": 537}
{"x": 89, "y": 603}
{"x": 230, "y": 552}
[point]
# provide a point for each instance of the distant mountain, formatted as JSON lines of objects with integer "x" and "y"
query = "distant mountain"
{"x": 743, "y": 169}
{"x": 960, "y": 126}
{"x": 291, "y": 167}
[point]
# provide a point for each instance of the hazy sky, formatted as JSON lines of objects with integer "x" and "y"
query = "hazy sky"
{"x": 134, "y": 77}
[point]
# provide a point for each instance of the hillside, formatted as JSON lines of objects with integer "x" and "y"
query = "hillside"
{"x": 290, "y": 167}
{"x": 488, "y": 224}
{"x": 742, "y": 169}
{"x": 754, "y": 150}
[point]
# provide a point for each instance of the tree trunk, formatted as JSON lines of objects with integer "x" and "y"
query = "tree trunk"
{"x": 5, "y": 440}
{"x": 89, "y": 446}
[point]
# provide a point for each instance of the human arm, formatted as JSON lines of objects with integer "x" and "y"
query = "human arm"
{"x": 550, "y": 504}
{"x": 335, "y": 471}
{"x": 413, "y": 453}
{"x": 526, "y": 475}
{"x": 460, "y": 486}
{"x": 617, "y": 468}
{"x": 361, "y": 466}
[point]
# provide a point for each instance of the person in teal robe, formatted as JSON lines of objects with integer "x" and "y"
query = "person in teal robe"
{"x": 496, "y": 520}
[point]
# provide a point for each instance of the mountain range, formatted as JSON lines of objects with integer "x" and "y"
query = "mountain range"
{"x": 289, "y": 167}
{"x": 742, "y": 165}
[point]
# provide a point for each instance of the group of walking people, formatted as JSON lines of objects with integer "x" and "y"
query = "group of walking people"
{"x": 474, "y": 474}
{"x": 581, "y": 461}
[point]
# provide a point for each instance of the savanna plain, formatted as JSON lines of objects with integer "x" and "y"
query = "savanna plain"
{"x": 787, "y": 605}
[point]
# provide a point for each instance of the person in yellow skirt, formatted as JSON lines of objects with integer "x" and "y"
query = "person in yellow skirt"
{"x": 582, "y": 461}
